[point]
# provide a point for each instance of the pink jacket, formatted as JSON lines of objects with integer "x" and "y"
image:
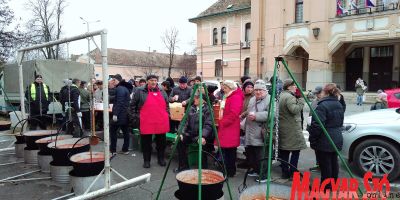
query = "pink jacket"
{"x": 229, "y": 125}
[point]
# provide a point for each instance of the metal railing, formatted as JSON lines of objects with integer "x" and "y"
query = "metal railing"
{"x": 369, "y": 10}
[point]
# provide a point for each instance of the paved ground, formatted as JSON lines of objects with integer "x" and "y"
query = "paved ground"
{"x": 131, "y": 166}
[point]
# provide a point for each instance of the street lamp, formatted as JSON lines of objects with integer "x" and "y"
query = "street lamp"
{"x": 87, "y": 26}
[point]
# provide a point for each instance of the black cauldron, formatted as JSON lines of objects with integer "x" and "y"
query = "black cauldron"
{"x": 212, "y": 183}
{"x": 32, "y": 136}
{"x": 61, "y": 149}
{"x": 42, "y": 143}
{"x": 20, "y": 139}
{"x": 5, "y": 125}
{"x": 87, "y": 163}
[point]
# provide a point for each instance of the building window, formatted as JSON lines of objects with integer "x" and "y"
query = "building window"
{"x": 299, "y": 11}
{"x": 215, "y": 36}
{"x": 218, "y": 68}
{"x": 223, "y": 35}
{"x": 246, "y": 67}
{"x": 386, "y": 51}
{"x": 247, "y": 35}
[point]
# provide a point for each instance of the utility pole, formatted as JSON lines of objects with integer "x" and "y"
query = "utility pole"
{"x": 201, "y": 53}
{"x": 88, "y": 29}
{"x": 222, "y": 59}
{"x": 240, "y": 58}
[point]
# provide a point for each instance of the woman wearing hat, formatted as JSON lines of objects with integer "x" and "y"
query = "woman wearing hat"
{"x": 291, "y": 138}
{"x": 256, "y": 120}
{"x": 229, "y": 125}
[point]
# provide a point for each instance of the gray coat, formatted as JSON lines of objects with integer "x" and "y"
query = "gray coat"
{"x": 291, "y": 136}
{"x": 253, "y": 128}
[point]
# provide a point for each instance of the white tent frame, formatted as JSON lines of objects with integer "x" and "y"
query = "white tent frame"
{"x": 107, "y": 168}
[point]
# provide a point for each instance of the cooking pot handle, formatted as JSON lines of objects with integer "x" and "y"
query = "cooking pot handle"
{"x": 69, "y": 156}
{"x": 209, "y": 154}
{"x": 243, "y": 186}
{"x": 19, "y": 122}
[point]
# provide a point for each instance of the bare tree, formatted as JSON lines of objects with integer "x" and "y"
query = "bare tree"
{"x": 46, "y": 24}
{"x": 170, "y": 40}
{"x": 188, "y": 65}
{"x": 9, "y": 37}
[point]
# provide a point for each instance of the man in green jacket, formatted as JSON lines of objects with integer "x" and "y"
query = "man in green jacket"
{"x": 85, "y": 105}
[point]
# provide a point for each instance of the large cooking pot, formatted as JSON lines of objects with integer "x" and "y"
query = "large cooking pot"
{"x": 257, "y": 192}
{"x": 18, "y": 135}
{"x": 87, "y": 163}
{"x": 5, "y": 125}
{"x": 32, "y": 136}
{"x": 212, "y": 182}
{"x": 42, "y": 143}
{"x": 61, "y": 149}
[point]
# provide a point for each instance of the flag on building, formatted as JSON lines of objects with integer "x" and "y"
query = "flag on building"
{"x": 339, "y": 8}
{"x": 353, "y": 5}
{"x": 370, "y": 3}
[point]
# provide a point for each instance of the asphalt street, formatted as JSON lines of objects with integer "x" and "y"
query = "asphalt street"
{"x": 130, "y": 166}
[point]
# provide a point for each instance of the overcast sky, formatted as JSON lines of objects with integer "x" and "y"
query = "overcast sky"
{"x": 132, "y": 24}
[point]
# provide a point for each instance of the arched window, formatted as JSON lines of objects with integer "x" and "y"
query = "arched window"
{"x": 246, "y": 66}
{"x": 299, "y": 11}
{"x": 215, "y": 36}
{"x": 223, "y": 35}
{"x": 218, "y": 68}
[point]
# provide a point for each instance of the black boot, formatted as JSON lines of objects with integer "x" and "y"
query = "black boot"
{"x": 146, "y": 164}
{"x": 160, "y": 157}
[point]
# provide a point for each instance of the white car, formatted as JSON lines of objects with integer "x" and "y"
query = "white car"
{"x": 371, "y": 140}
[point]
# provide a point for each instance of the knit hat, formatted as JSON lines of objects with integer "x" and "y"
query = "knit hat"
{"x": 260, "y": 85}
{"x": 183, "y": 79}
{"x": 38, "y": 76}
{"x": 230, "y": 84}
{"x": 118, "y": 77}
{"x": 247, "y": 83}
{"x": 287, "y": 83}
{"x": 317, "y": 90}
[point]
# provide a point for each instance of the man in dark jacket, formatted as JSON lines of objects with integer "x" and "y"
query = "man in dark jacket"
{"x": 190, "y": 133}
{"x": 70, "y": 100}
{"x": 149, "y": 110}
{"x": 37, "y": 94}
{"x": 120, "y": 114}
{"x": 331, "y": 114}
{"x": 180, "y": 94}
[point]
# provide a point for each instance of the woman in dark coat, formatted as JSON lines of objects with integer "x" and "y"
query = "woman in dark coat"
{"x": 331, "y": 114}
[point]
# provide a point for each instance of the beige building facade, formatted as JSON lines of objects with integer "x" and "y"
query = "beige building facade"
{"x": 352, "y": 37}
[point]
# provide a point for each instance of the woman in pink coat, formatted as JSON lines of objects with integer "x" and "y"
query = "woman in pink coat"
{"x": 229, "y": 125}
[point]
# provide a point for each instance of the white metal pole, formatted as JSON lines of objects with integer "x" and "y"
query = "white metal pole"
{"x": 20, "y": 57}
{"x": 119, "y": 186}
{"x": 107, "y": 168}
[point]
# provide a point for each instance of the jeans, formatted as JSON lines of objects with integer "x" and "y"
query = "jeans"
{"x": 359, "y": 99}
{"x": 114, "y": 137}
{"x": 294, "y": 159}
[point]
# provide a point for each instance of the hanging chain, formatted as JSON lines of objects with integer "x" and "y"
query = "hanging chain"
{"x": 276, "y": 145}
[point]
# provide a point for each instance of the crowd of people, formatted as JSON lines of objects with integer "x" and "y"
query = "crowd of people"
{"x": 244, "y": 109}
